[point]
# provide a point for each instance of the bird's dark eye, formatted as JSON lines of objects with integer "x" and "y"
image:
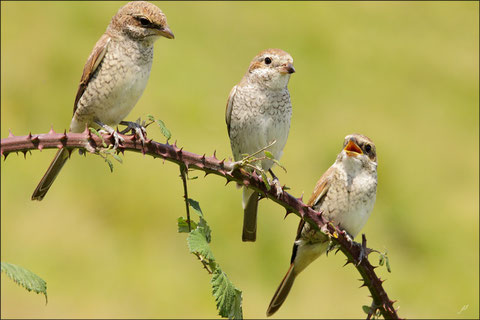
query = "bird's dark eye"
{"x": 143, "y": 21}
{"x": 368, "y": 148}
{"x": 268, "y": 60}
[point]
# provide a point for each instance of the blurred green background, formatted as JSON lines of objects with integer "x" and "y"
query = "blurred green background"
{"x": 403, "y": 73}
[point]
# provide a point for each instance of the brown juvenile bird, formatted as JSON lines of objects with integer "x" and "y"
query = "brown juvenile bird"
{"x": 345, "y": 194}
{"x": 258, "y": 113}
{"x": 114, "y": 76}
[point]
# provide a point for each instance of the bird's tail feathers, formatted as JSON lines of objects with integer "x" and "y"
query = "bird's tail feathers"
{"x": 250, "y": 205}
{"x": 282, "y": 291}
{"x": 49, "y": 177}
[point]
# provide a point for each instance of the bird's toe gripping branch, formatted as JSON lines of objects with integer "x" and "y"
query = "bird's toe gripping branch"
{"x": 106, "y": 128}
{"x": 136, "y": 128}
{"x": 362, "y": 247}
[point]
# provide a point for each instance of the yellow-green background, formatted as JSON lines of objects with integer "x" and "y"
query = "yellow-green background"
{"x": 403, "y": 73}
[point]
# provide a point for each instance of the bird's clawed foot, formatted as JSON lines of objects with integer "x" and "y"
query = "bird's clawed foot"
{"x": 139, "y": 130}
{"x": 235, "y": 165}
{"x": 276, "y": 183}
{"x": 278, "y": 187}
{"x": 364, "y": 251}
{"x": 107, "y": 129}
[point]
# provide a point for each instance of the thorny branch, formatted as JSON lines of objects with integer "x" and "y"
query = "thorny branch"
{"x": 212, "y": 165}
{"x": 183, "y": 175}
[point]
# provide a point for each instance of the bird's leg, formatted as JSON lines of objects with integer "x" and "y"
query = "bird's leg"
{"x": 276, "y": 183}
{"x": 110, "y": 130}
{"x": 364, "y": 251}
{"x": 140, "y": 131}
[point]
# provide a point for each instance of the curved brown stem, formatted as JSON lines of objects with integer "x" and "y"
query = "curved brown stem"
{"x": 212, "y": 165}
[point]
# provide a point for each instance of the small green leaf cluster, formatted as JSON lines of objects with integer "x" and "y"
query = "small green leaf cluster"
{"x": 227, "y": 297}
{"x": 375, "y": 314}
{"x": 383, "y": 259}
{"x": 163, "y": 128}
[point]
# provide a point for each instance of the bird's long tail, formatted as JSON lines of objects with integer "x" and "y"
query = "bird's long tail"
{"x": 57, "y": 164}
{"x": 250, "y": 205}
{"x": 282, "y": 291}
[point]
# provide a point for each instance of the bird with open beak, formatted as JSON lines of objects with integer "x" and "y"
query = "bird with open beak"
{"x": 345, "y": 195}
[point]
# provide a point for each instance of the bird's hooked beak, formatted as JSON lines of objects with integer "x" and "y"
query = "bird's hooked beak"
{"x": 352, "y": 149}
{"x": 165, "y": 32}
{"x": 287, "y": 68}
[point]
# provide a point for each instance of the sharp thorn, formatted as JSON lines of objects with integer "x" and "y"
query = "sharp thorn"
{"x": 10, "y": 134}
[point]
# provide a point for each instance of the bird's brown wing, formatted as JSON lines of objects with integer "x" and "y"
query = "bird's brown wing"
{"x": 321, "y": 188}
{"x": 91, "y": 65}
{"x": 228, "y": 109}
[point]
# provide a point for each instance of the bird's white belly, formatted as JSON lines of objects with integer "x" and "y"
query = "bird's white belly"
{"x": 124, "y": 97}
{"x": 359, "y": 205}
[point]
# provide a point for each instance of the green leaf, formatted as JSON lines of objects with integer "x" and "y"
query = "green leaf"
{"x": 95, "y": 132}
{"x": 265, "y": 180}
{"x": 183, "y": 225}
{"x": 227, "y": 297}
{"x": 387, "y": 264}
{"x": 196, "y": 207}
{"x": 25, "y": 278}
{"x": 366, "y": 309}
{"x": 280, "y": 165}
{"x": 381, "y": 260}
{"x": 164, "y": 129}
{"x": 117, "y": 157}
{"x": 197, "y": 243}
{"x": 150, "y": 117}
{"x": 206, "y": 228}
{"x": 268, "y": 154}
{"x": 110, "y": 164}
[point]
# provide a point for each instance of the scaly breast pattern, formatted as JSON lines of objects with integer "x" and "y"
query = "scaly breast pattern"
{"x": 116, "y": 85}
{"x": 258, "y": 118}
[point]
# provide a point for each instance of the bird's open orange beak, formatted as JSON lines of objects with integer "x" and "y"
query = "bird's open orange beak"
{"x": 352, "y": 149}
